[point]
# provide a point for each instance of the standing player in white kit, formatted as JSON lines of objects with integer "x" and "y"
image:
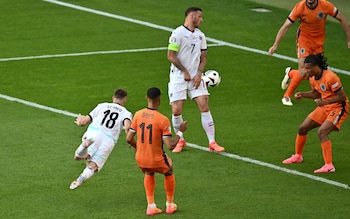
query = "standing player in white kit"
{"x": 187, "y": 52}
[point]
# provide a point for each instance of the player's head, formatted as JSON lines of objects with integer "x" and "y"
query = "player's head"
{"x": 120, "y": 96}
{"x": 153, "y": 93}
{"x": 315, "y": 64}
{"x": 318, "y": 60}
{"x": 194, "y": 15}
{"x": 192, "y": 9}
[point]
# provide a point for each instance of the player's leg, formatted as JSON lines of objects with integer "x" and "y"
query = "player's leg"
{"x": 295, "y": 78}
{"x": 149, "y": 185}
{"x": 98, "y": 154}
{"x": 326, "y": 146}
{"x": 87, "y": 173}
{"x": 87, "y": 140}
{"x": 169, "y": 185}
{"x": 300, "y": 140}
{"x": 333, "y": 122}
{"x": 177, "y": 96}
{"x": 201, "y": 97}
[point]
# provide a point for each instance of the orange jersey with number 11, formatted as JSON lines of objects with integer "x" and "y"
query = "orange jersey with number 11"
{"x": 151, "y": 127}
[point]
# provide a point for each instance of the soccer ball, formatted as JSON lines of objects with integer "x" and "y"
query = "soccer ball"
{"x": 212, "y": 78}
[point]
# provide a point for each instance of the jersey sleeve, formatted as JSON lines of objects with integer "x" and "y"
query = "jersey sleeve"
{"x": 174, "y": 42}
{"x": 296, "y": 12}
{"x": 133, "y": 125}
{"x": 94, "y": 112}
{"x": 203, "y": 42}
{"x": 166, "y": 128}
{"x": 335, "y": 83}
{"x": 331, "y": 9}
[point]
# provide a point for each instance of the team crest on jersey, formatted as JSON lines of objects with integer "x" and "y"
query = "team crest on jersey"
{"x": 320, "y": 15}
{"x": 323, "y": 87}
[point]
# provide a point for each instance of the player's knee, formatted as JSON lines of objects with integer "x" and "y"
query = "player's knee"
{"x": 322, "y": 135}
{"x": 302, "y": 130}
{"x": 92, "y": 166}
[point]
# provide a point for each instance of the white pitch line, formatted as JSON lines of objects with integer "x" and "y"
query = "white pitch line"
{"x": 88, "y": 53}
{"x": 272, "y": 166}
{"x": 13, "y": 99}
{"x": 81, "y": 54}
{"x": 155, "y": 26}
{"x": 233, "y": 156}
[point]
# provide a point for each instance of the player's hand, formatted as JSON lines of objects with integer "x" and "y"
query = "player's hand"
{"x": 197, "y": 80}
{"x": 272, "y": 50}
{"x": 298, "y": 96}
{"x": 183, "y": 126}
{"x": 79, "y": 119}
{"x": 319, "y": 102}
{"x": 187, "y": 76}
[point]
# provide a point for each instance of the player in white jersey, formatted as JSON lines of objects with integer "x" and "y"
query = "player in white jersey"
{"x": 107, "y": 121}
{"x": 187, "y": 52}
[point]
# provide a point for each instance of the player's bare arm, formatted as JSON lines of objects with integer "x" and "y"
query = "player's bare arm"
{"x": 341, "y": 96}
{"x": 203, "y": 61}
{"x": 280, "y": 34}
{"x": 82, "y": 120}
{"x": 340, "y": 17}
{"x": 172, "y": 57}
{"x": 127, "y": 124}
{"x": 310, "y": 94}
{"x": 130, "y": 139}
{"x": 171, "y": 142}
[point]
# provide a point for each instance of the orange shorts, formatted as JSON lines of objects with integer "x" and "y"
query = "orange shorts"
{"x": 335, "y": 115}
{"x": 307, "y": 47}
{"x": 162, "y": 166}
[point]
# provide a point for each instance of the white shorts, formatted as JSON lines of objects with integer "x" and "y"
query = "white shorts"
{"x": 100, "y": 150}
{"x": 179, "y": 91}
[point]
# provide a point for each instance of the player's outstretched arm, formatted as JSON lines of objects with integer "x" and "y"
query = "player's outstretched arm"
{"x": 82, "y": 120}
{"x": 340, "y": 17}
{"x": 280, "y": 34}
{"x": 130, "y": 138}
{"x": 171, "y": 142}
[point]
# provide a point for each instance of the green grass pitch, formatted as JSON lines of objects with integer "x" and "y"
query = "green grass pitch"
{"x": 68, "y": 56}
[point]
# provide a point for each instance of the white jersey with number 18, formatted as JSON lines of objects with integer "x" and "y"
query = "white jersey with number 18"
{"x": 109, "y": 118}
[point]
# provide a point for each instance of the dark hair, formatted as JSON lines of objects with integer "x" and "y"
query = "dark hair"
{"x": 120, "y": 93}
{"x": 192, "y": 9}
{"x": 153, "y": 93}
{"x": 317, "y": 59}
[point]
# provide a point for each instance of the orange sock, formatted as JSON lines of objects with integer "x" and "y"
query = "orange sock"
{"x": 169, "y": 185}
{"x": 299, "y": 144}
{"x": 294, "y": 82}
{"x": 149, "y": 184}
{"x": 327, "y": 151}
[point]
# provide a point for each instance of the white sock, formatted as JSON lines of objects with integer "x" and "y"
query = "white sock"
{"x": 88, "y": 172}
{"x": 177, "y": 120}
{"x": 208, "y": 125}
{"x": 153, "y": 205}
{"x": 81, "y": 151}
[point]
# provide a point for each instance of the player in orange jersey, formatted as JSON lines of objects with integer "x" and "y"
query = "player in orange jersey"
{"x": 310, "y": 38}
{"x": 331, "y": 111}
{"x": 152, "y": 129}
